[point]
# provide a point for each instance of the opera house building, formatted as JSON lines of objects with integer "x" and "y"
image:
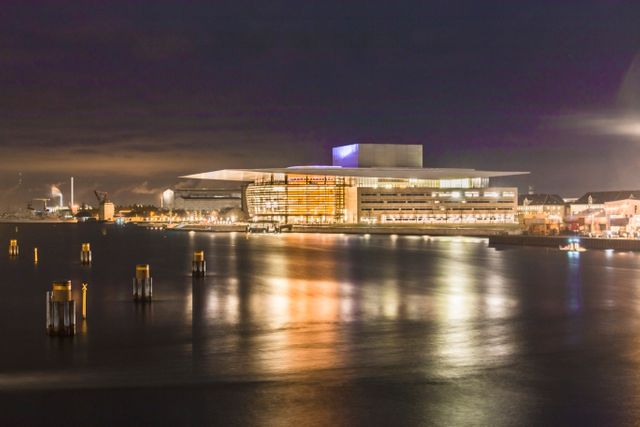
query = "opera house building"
{"x": 373, "y": 184}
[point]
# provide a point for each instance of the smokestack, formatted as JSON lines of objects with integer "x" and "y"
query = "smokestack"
{"x": 71, "y": 192}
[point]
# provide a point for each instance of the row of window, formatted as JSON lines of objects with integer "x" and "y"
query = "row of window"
{"x": 433, "y": 210}
{"x": 452, "y": 194}
{"x": 460, "y": 219}
{"x": 444, "y": 202}
{"x": 371, "y": 182}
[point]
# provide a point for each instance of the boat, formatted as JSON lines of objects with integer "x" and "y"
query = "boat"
{"x": 572, "y": 246}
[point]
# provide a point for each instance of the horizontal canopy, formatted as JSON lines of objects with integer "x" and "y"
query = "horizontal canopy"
{"x": 250, "y": 175}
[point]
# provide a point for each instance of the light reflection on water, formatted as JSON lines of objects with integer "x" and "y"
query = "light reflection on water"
{"x": 412, "y": 314}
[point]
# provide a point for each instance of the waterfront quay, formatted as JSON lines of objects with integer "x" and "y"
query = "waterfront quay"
{"x": 433, "y": 230}
{"x": 410, "y": 230}
{"x": 556, "y": 241}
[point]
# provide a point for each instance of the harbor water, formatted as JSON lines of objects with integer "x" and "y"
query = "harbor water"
{"x": 319, "y": 329}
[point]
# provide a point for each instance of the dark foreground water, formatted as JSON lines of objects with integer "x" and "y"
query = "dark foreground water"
{"x": 319, "y": 330}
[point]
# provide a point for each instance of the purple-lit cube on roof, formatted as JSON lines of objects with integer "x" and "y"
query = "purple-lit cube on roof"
{"x": 378, "y": 155}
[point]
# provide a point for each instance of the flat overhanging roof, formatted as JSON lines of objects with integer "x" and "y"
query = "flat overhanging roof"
{"x": 250, "y": 175}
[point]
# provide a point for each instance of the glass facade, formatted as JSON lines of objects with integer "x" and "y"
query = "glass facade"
{"x": 303, "y": 199}
{"x": 298, "y": 199}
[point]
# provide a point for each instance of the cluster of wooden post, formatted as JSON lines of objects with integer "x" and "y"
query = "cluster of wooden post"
{"x": 60, "y": 306}
{"x": 142, "y": 283}
{"x": 13, "y": 248}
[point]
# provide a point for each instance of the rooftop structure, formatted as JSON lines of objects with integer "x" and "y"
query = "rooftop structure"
{"x": 392, "y": 188}
{"x": 378, "y": 155}
{"x": 601, "y": 197}
{"x": 426, "y": 174}
{"x": 540, "y": 199}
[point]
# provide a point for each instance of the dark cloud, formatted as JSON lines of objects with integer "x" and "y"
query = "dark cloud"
{"x": 123, "y": 93}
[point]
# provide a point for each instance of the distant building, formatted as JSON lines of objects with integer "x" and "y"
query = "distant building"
{"x": 623, "y": 216}
{"x": 373, "y": 184}
{"x": 597, "y": 199}
{"x": 106, "y": 211}
{"x": 541, "y": 203}
{"x": 623, "y": 208}
{"x": 541, "y": 213}
{"x": 598, "y": 212}
{"x": 204, "y": 199}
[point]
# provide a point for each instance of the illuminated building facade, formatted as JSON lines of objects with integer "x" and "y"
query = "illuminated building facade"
{"x": 106, "y": 211}
{"x": 541, "y": 213}
{"x": 597, "y": 199}
{"x": 374, "y": 184}
{"x": 614, "y": 213}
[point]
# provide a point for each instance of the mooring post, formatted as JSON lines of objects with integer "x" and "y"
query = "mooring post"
{"x": 13, "y": 247}
{"x": 61, "y": 310}
{"x": 84, "y": 300}
{"x": 199, "y": 268}
{"x": 142, "y": 283}
{"x": 85, "y": 254}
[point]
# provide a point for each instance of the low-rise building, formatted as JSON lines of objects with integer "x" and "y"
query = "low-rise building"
{"x": 541, "y": 213}
{"x": 605, "y": 212}
{"x": 623, "y": 216}
{"x": 597, "y": 199}
{"x": 106, "y": 211}
{"x": 551, "y": 204}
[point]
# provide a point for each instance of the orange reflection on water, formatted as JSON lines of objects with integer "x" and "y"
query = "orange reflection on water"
{"x": 301, "y": 316}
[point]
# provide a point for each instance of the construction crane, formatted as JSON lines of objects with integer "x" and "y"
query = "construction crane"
{"x": 106, "y": 208}
{"x": 102, "y": 196}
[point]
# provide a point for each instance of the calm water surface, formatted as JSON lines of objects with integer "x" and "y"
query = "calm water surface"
{"x": 320, "y": 330}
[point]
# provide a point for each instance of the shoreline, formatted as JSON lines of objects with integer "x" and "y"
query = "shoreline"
{"x": 409, "y": 230}
{"x": 556, "y": 241}
{"x": 36, "y": 221}
{"x": 498, "y": 236}
{"x": 362, "y": 230}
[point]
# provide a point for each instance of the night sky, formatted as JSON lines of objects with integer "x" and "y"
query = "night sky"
{"x": 127, "y": 96}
